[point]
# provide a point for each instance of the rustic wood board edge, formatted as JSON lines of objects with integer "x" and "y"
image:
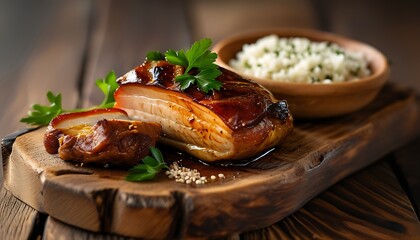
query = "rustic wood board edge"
{"x": 193, "y": 223}
{"x": 334, "y": 214}
{"x": 6, "y": 149}
{"x": 369, "y": 220}
{"x": 55, "y": 229}
{"x": 364, "y": 147}
{"x": 405, "y": 164}
{"x": 18, "y": 220}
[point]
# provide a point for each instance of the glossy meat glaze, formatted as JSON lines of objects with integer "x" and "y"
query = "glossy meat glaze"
{"x": 100, "y": 136}
{"x": 240, "y": 120}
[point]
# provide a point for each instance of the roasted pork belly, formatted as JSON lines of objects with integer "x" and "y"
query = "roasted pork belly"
{"x": 103, "y": 136}
{"x": 239, "y": 121}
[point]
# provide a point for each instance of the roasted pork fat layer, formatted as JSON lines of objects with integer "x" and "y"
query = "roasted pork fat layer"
{"x": 240, "y": 120}
{"x": 100, "y": 137}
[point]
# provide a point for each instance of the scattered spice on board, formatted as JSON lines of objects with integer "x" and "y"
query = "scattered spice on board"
{"x": 188, "y": 176}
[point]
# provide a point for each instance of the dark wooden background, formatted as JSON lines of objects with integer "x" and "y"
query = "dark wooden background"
{"x": 64, "y": 46}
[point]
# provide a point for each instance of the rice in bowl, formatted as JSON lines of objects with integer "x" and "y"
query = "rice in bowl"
{"x": 300, "y": 60}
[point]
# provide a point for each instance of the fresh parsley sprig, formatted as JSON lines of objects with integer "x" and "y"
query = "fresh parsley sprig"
{"x": 149, "y": 168}
{"x": 108, "y": 86}
{"x": 198, "y": 58}
{"x": 42, "y": 114}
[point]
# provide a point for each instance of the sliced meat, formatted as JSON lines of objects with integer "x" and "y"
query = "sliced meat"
{"x": 239, "y": 121}
{"x": 100, "y": 137}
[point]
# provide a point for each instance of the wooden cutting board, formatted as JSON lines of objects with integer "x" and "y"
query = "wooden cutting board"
{"x": 254, "y": 194}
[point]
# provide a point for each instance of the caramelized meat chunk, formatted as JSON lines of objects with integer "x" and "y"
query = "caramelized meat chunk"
{"x": 100, "y": 137}
{"x": 240, "y": 120}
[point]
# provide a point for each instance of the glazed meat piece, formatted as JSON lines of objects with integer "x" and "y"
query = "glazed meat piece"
{"x": 240, "y": 120}
{"x": 100, "y": 137}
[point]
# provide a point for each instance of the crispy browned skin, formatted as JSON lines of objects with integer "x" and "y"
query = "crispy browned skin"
{"x": 247, "y": 117}
{"x": 118, "y": 142}
{"x": 240, "y": 103}
{"x": 112, "y": 142}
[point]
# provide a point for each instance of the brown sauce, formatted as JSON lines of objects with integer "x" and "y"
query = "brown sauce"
{"x": 239, "y": 103}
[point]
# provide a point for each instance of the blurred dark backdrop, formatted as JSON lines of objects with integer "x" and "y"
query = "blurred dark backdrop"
{"x": 65, "y": 45}
{"x": 393, "y": 27}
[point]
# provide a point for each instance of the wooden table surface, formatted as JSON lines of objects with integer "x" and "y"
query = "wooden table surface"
{"x": 64, "y": 46}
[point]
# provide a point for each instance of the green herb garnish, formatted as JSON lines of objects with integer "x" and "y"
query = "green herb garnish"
{"x": 155, "y": 56}
{"x": 43, "y": 114}
{"x": 197, "y": 58}
{"x": 108, "y": 86}
{"x": 149, "y": 168}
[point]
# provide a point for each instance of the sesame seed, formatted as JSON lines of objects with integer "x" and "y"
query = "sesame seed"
{"x": 185, "y": 175}
{"x": 221, "y": 175}
{"x": 213, "y": 177}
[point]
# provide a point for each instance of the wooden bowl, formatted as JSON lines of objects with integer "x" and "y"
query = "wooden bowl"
{"x": 307, "y": 100}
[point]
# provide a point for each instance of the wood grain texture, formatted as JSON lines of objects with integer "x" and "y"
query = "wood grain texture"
{"x": 6, "y": 149}
{"x": 363, "y": 206}
{"x": 55, "y": 229}
{"x": 316, "y": 156}
{"x": 124, "y": 31}
{"x": 218, "y": 19}
{"x": 407, "y": 165}
{"x": 390, "y": 27}
{"x": 41, "y": 50}
{"x": 18, "y": 220}
{"x": 43, "y": 41}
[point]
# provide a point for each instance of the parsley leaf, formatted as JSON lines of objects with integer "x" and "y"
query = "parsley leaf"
{"x": 149, "y": 168}
{"x": 154, "y": 56}
{"x": 185, "y": 80}
{"x": 205, "y": 80}
{"x": 42, "y": 114}
{"x": 108, "y": 87}
{"x": 177, "y": 58}
{"x": 200, "y": 58}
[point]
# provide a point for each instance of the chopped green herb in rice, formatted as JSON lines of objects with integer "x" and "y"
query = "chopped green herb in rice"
{"x": 300, "y": 60}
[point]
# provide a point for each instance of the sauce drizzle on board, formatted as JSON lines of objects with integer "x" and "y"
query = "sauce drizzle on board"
{"x": 317, "y": 155}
